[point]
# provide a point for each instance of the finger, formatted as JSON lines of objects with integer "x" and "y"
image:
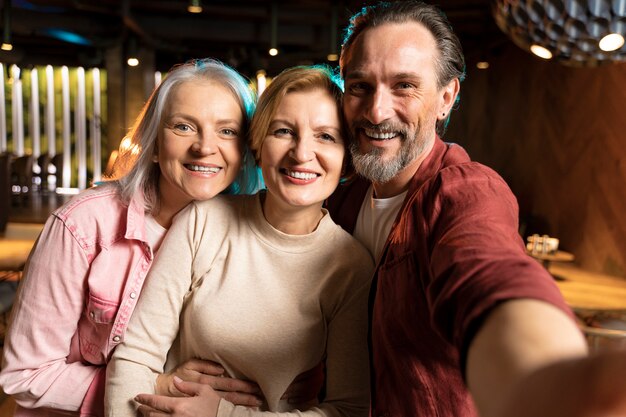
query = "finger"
{"x": 189, "y": 388}
{"x": 238, "y": 398}
{"x": 204, "y": 367}
{"x": 157, "y": 402}
{"x": 230, "y": 384}
{"x": 146, "y": 411}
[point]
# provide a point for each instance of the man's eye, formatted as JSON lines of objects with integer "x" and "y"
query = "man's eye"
{"x": 357, "y": 87}
{"x": 405, "y": 85}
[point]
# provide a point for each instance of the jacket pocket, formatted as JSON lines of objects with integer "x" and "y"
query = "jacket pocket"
{"x": 100, "y": 311}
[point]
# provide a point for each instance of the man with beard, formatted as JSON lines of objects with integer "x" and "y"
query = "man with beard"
{"x": 462, "y": 320}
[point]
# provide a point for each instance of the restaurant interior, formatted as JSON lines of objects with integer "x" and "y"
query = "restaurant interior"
{"x": 541, "y": 104}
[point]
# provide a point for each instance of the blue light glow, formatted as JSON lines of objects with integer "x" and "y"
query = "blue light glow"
{"x": 67, "y": 36}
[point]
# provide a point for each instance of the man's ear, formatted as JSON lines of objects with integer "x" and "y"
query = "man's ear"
{"x": 449, "y": 94}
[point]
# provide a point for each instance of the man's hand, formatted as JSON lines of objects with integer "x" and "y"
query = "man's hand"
{"x": 209, "y": 373}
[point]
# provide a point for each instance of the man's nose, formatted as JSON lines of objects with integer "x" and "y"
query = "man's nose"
{"x": 380, "y": 107}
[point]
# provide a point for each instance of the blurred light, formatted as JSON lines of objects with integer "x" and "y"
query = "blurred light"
{"x": 261, "y": 82}
{"x": 6, "y": 32}
{"x": 332, "y": 57}
{"x": 195, "y": 6}
{"x": 273, "y": 29}
{"x": 611, "y": 42}
{"x": 131, "y": 52}
{"x": 67, "y": 36}
{"x": 540, "y": 51}
{"x": 482, "y": 65}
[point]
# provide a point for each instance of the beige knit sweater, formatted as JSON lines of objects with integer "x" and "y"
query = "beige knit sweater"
{"x": 228, "y": 287}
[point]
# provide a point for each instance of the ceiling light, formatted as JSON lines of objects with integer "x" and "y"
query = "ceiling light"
{"x": 574, "y": 31}
{"x": 540, "y": 51}
{"x": 611, "y": 42}
{"x": 6, "y": 33}
{"x": 273, "y": 29}
{"x": 482, "y": 65}
{"x": 195, "y": 6}
{"x": 131, "y": 52}
{"x": 332, "y": 54}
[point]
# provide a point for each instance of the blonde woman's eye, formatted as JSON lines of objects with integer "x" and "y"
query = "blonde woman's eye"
{"x": 327, "y": 137}
{"x": 283, "y": 131}
{"x": 229, "y": 132}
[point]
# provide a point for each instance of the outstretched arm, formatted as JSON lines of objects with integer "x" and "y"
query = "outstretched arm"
{"x": 518, "y": 339}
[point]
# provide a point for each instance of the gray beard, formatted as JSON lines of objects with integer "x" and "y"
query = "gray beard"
{"x": 372, "y": 166}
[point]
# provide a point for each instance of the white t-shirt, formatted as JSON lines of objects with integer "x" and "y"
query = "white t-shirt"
{"x": 154, "y": 233}
{"x": 375, "y": 220}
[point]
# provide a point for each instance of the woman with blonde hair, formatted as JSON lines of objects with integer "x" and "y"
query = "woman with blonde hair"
{"x": 266, "y": 285}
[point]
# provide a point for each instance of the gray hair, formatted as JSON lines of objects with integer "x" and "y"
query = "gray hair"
{"x": 135, "y": 170}
{"x": 451, "y": 63}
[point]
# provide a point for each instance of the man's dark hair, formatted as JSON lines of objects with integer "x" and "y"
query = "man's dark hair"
{"x": 450, "y": 63}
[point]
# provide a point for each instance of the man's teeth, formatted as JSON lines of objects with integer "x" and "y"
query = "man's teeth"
{"x": 201, "y": 168}
{"x": 302, "y": 175}
{"x": 374, "y": 134}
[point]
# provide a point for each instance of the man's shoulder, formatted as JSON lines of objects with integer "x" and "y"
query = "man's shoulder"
{"x": 457, "y": 168}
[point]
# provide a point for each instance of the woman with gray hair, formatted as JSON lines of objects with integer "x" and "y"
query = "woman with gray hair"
{"x": 87, "y": 269}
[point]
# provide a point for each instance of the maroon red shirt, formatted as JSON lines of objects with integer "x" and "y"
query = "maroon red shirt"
{"x": 453, "y": 253}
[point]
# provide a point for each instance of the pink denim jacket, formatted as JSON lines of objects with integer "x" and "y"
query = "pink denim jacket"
{"x": 80, "y": 287}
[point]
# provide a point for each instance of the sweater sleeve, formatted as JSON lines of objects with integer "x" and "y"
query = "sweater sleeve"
{"x": 155, "y": 322}
{"x": 347, "y": 363}
{"x": 46, "y": 312}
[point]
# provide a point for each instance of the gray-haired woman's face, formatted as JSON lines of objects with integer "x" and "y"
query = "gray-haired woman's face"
{"x": 199, "y": 142}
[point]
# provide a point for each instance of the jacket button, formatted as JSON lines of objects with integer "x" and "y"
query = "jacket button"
{"x": 133, "y": 295}
{"x": 116, "y": 338}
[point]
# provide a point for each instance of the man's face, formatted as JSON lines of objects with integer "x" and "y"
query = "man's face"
{"x": 392, "y": 101}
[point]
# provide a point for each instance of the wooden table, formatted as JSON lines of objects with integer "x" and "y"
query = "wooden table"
{"x": 14, "y": 252}
{"x": 585, "y": 290}
{"x": 547, "y": 258}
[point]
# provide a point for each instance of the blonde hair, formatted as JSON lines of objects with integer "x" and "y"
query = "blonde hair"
{"x": 301, "y": 78}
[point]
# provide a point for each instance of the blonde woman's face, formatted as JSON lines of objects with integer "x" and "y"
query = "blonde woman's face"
{"x": 302, "y": 155}
{"x": 199, "y": 142}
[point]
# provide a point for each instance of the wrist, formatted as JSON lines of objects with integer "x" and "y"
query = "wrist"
{"x": 162, "y": 385}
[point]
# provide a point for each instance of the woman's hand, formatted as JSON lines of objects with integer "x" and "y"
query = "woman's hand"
{"x": 209, "y": 373}
{"x": 200, "y": 401}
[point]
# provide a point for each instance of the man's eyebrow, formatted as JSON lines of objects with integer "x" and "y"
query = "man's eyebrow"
{"x": 357, "y": 75}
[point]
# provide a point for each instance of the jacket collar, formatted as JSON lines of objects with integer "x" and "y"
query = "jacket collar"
{"x": 136, "y": 218}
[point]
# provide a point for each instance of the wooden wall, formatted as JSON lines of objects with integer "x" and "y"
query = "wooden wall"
{"x": 558, "y": 136}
